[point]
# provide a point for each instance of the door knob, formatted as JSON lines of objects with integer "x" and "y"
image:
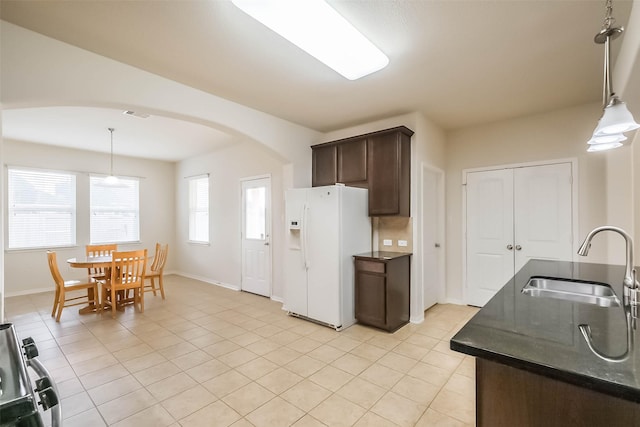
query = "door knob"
{"x": 518, "y": 247}
{"x": 266, "y": 243}
{"x": 437, "y": 245}
{"x": 510, "y": 247}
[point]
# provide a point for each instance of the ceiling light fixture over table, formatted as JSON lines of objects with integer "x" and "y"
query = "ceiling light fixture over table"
{"x": 616, "y": 118}
{"x": 319, "y": 30}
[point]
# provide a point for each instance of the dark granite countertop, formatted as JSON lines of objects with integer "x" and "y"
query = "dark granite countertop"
{"x": 541, "y": 335}
{"x": 381, "y": 255}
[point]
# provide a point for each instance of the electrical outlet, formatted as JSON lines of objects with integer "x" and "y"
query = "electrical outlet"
{"x": 402, "y": 243}
{"x": 387, "y": 242}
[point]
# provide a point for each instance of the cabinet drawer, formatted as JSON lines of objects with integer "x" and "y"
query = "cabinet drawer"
{"x": 372, "y": 266}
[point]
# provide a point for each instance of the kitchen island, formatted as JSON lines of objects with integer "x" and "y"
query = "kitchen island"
{"x": 534, "y": 367}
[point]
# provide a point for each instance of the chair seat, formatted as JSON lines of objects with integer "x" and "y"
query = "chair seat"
{"x": 61, "y": 300}
{"x": 80, "y": 284}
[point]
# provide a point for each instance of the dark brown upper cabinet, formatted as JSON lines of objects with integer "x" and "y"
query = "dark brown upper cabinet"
{"x": 390, "y": 179}
{"x": 352, "y": 163}
{"x": 379, "y": 161}
{"x": 324, "y": 166}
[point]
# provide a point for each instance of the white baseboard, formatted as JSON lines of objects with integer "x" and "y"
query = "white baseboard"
{"x": 177, "y": 273}
{"x": 417, "y": 319}
{"x": 453, "y": 301}
{"x": 28, "y": 292}
{"x": 277, "y": 299}
{"x": 207, "y": 280}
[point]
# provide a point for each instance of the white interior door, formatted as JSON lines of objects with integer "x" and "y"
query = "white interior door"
{"x": 512, "y": 216}
{"x": 543, "y": 205}
{"x": 432, "y": 225}
{"x": 489, "y": 233}
{"x": 256, "y": 229}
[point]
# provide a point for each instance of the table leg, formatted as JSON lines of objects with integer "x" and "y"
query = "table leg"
{"x": 91, "y": 308}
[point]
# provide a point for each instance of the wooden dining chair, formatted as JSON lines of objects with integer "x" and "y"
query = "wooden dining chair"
{"x": 99, "y": 250}
{"x": 127, "y": 272}
{"x": 156, "y": 270}
{"x": 63, "y": 286}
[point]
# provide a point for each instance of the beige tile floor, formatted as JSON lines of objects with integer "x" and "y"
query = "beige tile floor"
{"x": 209, "y": 356}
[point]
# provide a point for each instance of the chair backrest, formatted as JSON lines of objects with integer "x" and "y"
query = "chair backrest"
{"x": 101, "y": 250}
{"x": 53, "y": 267}
{"x": 128, "y": 267}
{"x": 160, "y": 258}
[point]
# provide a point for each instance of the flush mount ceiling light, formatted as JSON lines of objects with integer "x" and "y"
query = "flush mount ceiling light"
{"x": 616, "y": 118}
{"x": 136, "y": 114}
{"x": 319, "y": 30}
{"x": 111, "y": 179}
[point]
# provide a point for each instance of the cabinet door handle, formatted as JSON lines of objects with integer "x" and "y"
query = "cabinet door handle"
{"x": 518, "y": 247}
{"x": 510, "y": 247}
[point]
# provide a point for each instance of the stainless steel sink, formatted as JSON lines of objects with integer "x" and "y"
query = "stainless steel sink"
{"x": 580, "y": 291}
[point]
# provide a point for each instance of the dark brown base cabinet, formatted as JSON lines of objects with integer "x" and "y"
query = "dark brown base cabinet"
{"x": 507, "y": 396}
{"x": 382, "y": 289}
{"x": 379, "y": 161}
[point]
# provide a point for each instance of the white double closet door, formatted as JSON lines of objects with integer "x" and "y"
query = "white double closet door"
{"x": 513, "y": 215}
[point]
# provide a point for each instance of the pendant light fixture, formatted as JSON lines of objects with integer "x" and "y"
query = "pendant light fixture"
{"x": 616, "y": 118}
{"x": 111, "y": 179}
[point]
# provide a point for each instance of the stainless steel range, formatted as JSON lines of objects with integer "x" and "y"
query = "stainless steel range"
{"x": 18, "y": 400}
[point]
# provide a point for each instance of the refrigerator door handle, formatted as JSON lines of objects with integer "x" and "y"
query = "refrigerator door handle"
{"x": 304, "y": 236}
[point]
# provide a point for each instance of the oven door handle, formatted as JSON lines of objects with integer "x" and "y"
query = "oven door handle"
{"x": 56, "y": 410}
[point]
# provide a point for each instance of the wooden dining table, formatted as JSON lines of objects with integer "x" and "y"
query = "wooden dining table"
{"x": 90, "y": 262}
{"x": 103, "y": 261}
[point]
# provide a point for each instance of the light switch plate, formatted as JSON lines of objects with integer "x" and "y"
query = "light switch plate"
{"x": 387, "y": 242}
{"x": 402, "y": 243}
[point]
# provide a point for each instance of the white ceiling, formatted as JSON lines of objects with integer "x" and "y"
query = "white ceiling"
{"x": 460, "y": 63}
{"x": 86, "y": 128}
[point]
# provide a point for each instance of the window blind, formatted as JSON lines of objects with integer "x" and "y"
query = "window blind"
{"x": 199, "y": 209}
{"x": 41, "y": 209}
{"x": 114, "y": 210}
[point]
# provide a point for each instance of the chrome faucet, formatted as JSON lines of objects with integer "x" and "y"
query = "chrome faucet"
{"x": 631, "y": 286}
{"x": 631, "y": 297}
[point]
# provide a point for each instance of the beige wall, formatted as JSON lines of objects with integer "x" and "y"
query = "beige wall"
{"x": 220, "y": 262}
{"x": 27, "y": 271}
{"x": 555, "y": 135}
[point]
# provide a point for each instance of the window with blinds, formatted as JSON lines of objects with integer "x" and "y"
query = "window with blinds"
{"x": 41, "y": 209}
{"x": 199, "y": 209}
{"x": 114, "y": 210}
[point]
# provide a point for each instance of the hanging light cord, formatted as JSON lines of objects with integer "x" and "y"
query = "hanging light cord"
{"x": 606, "y": 34}
{"x": 111, "y": 169}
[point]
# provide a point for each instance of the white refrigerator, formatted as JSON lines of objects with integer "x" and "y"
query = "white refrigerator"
{"x": 325, "y": 227}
